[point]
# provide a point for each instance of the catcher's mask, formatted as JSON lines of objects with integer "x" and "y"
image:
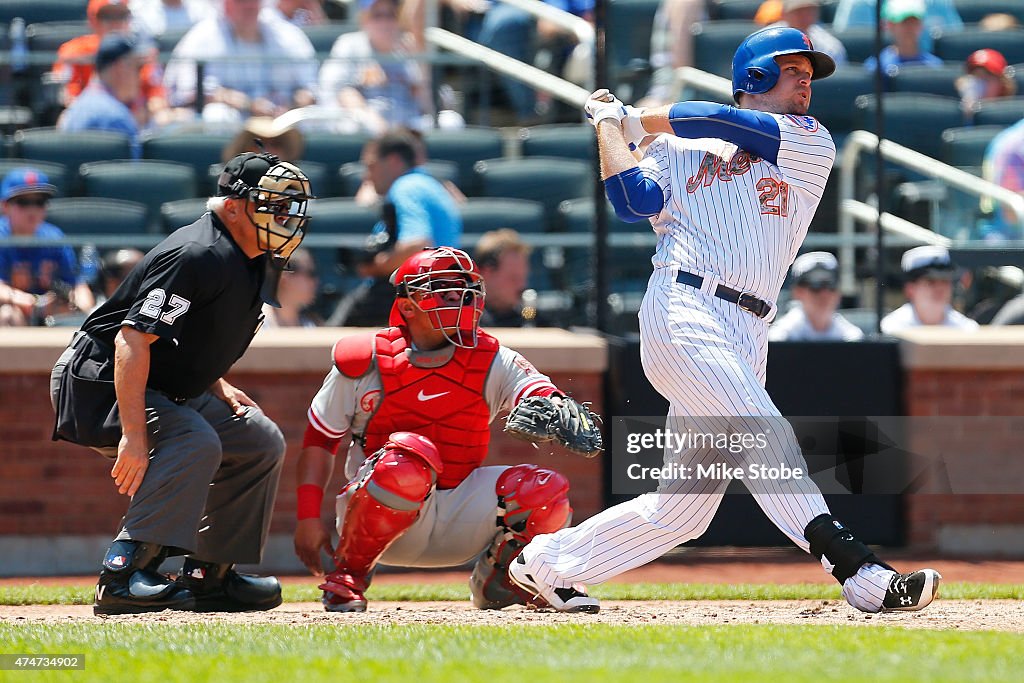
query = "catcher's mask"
{"x": 278, "y": 193}
{"x": 445, "y": 284}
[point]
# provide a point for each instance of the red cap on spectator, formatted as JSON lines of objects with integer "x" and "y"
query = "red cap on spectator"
{"x": 95, "y": 6}
{"x": 988, "y": 59}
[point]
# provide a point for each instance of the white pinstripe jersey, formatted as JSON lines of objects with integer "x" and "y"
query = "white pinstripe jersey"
{"x": 733, "y": 215}
{"x": 344, "y": 404}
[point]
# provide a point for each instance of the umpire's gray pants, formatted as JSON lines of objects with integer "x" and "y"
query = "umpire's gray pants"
{"x": 212, "y": 479}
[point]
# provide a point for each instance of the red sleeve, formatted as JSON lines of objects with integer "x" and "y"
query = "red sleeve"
{"x": 314, "y": 437}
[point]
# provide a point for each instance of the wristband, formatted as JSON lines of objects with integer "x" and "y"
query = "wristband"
{"x": 309, "y": 499}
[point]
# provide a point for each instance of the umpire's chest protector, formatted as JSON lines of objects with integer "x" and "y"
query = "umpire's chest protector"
{"x": 445, "y": 403}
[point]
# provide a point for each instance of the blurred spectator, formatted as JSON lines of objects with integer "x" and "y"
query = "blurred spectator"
{"x": 1004, "y": 165}
{"x": 988, "y": 76}
{"x": 157, "y": 17}
{"x": 114, "y": 268}
{"x": 296, "y": 292}
{"x": 417, "y": 212}
{"x": 806, "y": 15}
{"x": 903, "y": 21}
{"x": 816, "y": 290}
{"x": 367, "y": 193}
{"x": 928, "y": 285}
{"x": 377, "y": 93}
{"x": 940, "y": 17}
{"x": 35, "y": 281}
{"x": 285, "y": 142}
{"x": 672, "y": 45}
{"x": 991, "y": 290}
{"x": 255, "y": 64}
{"x": 516, "y": 33}
{"x": 504, "y": 262}
{"x": 998, "y": 21}
{"x": 298, "y": 12}
{"x": 1012, "y": 312}
{"x": 77, "y": 57}
{"x": 104, "y": 103}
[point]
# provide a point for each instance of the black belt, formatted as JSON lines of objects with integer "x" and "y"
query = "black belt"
{"x": 748, "y": 302}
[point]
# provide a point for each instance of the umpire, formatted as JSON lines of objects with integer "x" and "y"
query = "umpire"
{"x": 143, "y": 382}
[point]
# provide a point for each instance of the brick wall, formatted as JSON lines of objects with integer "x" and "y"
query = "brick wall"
{"x": 55, "y": 488}
{"x": 954, "y": 376}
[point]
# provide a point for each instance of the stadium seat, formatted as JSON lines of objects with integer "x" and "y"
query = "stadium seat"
{"x": 350, "y": 175}
{"x": 177, "y": 214}
{"x": 578, "y": 216}
{"x": 733, "y": 9}
{"x": 324, "y": 35}
{"x": 333, "y": 149}
{"x": 341, "y": 216}
{"x": 92, "y": 215}
{"x": 480, "y": 214}
{"x": 571, "y": 141}
{"x": 50, "y": 35}
{"x": 966, "y": 146}
{"x": 465, "y": 147}
{"x": 33, "y": 11}
{"x": 832, "y": 99}
{"x": 628, "y": 43}
{"x": 859, "y": 42}
{"x": 198, "y": 150}
{"x": 927, "y": 79}
{"x": 149, "y": 182}
{"x": 956, "y": 47}
{"x": 1004, "y": 111}
{"x": 547, "y": 180}
{"x": 714, "y": 43}
{"x": 57, "y": 173}
{"x": 912, "y": 120}
{"x": 973, "y": 11}
{"x": 70, "y": 148}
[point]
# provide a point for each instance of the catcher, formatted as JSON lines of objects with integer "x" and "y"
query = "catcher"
{"x": 418, "y": 398}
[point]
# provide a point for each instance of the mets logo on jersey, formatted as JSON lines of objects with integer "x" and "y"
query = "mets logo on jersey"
{"x": 808, "y": 123}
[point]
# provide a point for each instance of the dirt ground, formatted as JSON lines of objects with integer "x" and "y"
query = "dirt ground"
{"x": 996, "y": 615}
{"x": 730, "y": 566}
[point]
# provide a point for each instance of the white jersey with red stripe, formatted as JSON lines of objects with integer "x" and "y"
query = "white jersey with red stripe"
{"x": 344, "y": 404}
{"x": 732, "y": 216}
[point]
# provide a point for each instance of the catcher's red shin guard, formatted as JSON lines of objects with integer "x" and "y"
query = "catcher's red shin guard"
{"x": 382, "y": 503}
{"x": 531, "y": 500}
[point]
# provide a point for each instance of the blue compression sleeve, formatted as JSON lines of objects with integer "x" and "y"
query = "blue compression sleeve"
{"x": 634, "y": 196}
{"x": 750, "y": 130}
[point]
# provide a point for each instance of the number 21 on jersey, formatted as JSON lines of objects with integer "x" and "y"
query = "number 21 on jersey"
{"x": 774, "y": 197}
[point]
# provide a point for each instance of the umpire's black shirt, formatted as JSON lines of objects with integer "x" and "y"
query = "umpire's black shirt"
{"x": 200, "y": 293}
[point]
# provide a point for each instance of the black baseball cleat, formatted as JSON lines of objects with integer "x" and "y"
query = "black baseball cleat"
{"x": 130, "y": 584}
{"x": 911, "y": 592}
{"x": 219, "y": 588}
{"x": 562, "y": 599}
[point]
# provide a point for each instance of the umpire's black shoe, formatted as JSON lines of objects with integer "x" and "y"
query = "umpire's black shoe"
{"x": 911, "y": 592}
{"x": 219, "y": 588}
{"x": 130, "y": 584}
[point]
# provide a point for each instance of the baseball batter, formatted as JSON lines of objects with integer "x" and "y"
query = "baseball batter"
{"x": 730, "y": 191}
{"x": 418, "y": 399}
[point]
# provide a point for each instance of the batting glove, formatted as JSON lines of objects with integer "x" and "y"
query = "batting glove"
{"x": 632, "y": 127}
{"x": 603, "y": 105}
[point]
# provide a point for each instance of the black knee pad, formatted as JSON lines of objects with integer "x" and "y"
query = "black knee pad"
{"x": 833, "y": 541}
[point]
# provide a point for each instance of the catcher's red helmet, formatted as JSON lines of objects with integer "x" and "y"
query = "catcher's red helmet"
{"x": 445, "y": 284}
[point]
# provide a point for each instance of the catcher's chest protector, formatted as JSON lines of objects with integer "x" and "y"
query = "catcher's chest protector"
{"x": 445, "y": 404}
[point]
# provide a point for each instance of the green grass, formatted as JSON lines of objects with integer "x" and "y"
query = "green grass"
{"x": 533, "y": 654}
{"x": 82, "y": 593}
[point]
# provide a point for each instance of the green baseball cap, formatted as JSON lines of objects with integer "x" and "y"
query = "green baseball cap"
{"x": 896, "y": 11}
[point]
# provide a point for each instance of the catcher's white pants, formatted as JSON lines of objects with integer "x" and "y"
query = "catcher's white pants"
{"x": 454, "y": 526}
{"x": 707, "y": 357}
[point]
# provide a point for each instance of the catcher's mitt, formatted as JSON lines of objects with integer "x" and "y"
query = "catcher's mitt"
{"x": 540, "y": 419}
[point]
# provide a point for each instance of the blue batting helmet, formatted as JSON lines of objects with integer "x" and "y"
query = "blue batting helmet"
{"x": 754, "y": 69}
